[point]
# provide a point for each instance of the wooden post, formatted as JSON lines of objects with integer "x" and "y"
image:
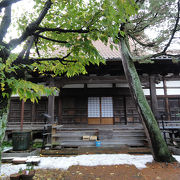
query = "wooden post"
{"x": 53, "y": 132}
{"x": 22, "y": 114}
{"x": 51, "y": 103}
{"x": 60, "y": 109}
{"x": 51, "y": 100}
{"x": 33, "y": 112}
{"x": 166, "y": 99}
{"x": 125, "y": 111}
{"x": 154, "y": 101}
{"x": 86, "y": 96}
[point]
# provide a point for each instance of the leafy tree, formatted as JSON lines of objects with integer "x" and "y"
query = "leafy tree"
{"x": 73, "y": 25}
{"x": 52, "y": 24}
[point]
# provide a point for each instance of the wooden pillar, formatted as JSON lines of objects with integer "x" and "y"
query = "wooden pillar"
{"x": 125, "y": 111}
{"x": 153, "y": 96}
{"x": 22, "y": 114}
{"x": 53, "y": 132}
{"x": 86, "y": 96}
{"x": 60, "y": 110}
{"x": 33, "y": 112}
{"x": 51, "y": 100}
{"x": 51, "y": 103}
{"x": 166, "y": 99}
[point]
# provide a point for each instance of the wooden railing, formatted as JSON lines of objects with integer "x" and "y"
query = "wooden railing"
{"x": 170, "y": 130}
{"x": 26, "y": 125}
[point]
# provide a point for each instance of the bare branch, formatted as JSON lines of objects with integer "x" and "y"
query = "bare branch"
{"x": 175, "y": 28}
{"x": 5, "y": 23}
{"x": 152, "y": 44}
{"x": 140, "y": 26}
{"x": 5, "y": 3}
{"x": 163, "y": 52}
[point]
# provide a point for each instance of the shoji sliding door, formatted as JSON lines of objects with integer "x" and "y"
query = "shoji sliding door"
{"x": 100, "y": 110}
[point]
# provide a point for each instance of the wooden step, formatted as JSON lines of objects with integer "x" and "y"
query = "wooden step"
{"x": 103, "y": 143}
{"x": 110, "y": 136}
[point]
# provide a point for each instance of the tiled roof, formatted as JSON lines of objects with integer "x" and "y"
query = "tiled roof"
{"x": 114, "y": 54}
{"x": 106, "y": 52}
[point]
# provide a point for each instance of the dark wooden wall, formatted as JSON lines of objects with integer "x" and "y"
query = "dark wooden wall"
{"x": 32, "y": 111}
{"x": 75, "y": 109}
{"x": 173, "y": 105}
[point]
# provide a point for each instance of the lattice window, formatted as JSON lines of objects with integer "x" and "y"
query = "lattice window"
{"x": 106, "y": 107}
{"x": 93, "y": 107}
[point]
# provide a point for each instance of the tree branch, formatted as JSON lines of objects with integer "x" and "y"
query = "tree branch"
{"x": 59, "y": 30}
{"x": 163, "y": 52}
{"x": 174, "y": 30}
{"x": 31, "y": 41}
{"x": 53, "y": 40}
{"x": 26, "y": 49}
{"x": 141, "y": 43}
{"x": 5, "y": 23}
{"x": 36, "y": 46}
{"x": 33, "y": 60}
{"x": 5, "y": 3}
{"x": 31, "y": 28}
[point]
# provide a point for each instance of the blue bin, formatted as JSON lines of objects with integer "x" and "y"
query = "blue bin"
{"x": 98, "y": 143}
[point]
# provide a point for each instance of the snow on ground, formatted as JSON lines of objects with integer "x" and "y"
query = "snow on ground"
{"x": 84, "y": 160}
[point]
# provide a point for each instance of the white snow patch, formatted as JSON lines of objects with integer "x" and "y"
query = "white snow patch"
{"x": 84, "y": 160}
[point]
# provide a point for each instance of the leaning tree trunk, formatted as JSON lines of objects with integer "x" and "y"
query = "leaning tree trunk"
{"x": 159, "y": 148}
{"x": 4, "y": 109}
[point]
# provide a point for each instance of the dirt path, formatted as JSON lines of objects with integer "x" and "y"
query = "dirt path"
{"x": 154, "y": 171}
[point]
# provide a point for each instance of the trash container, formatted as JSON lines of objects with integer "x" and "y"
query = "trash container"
{"x": 21, "y": 140}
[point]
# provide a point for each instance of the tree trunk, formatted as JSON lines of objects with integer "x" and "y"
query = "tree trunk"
{"x": 4, "y": 109}
{"x": 159, "y": 148}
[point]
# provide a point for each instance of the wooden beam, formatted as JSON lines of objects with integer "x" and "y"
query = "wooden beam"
{"x": 59, "y": 82}
{"x": 154, "y": 101}
{"x": 95, "y": 92}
